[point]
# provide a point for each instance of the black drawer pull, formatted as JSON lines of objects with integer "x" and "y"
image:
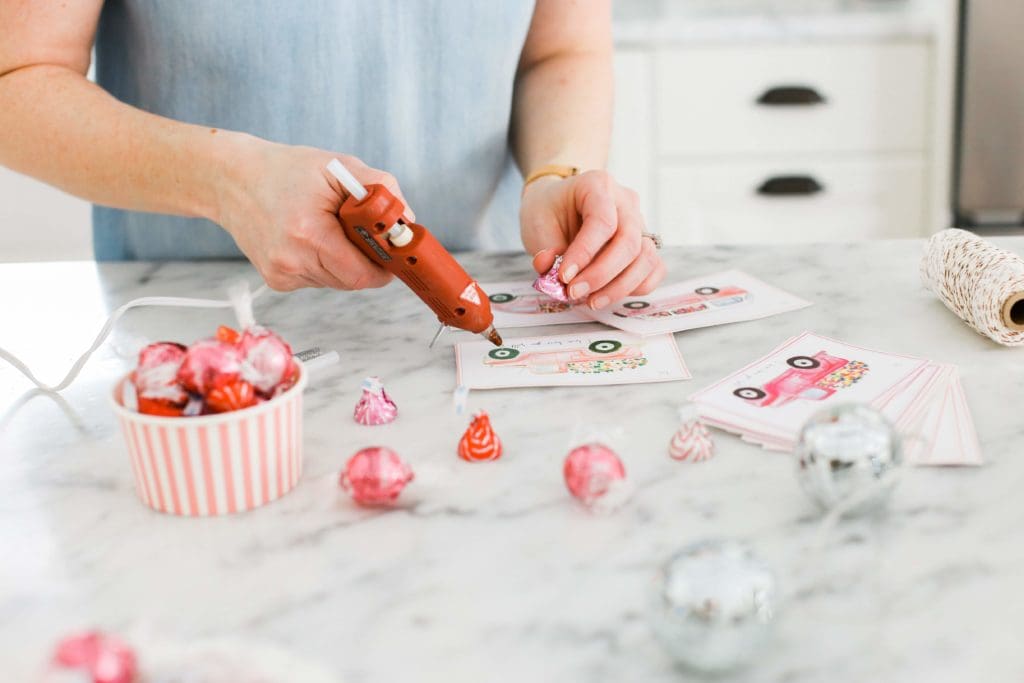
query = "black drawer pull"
{"x": 790, "y": 95}
{"x": 790, "y": 185}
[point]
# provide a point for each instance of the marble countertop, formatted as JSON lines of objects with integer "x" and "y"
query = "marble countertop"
{"x": 697, "y": 22}
{"x": 491, "y": 572}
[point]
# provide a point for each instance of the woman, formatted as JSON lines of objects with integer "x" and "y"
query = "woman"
{"x": 221, "y": 116}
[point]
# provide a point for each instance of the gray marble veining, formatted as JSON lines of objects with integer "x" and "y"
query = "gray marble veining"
{"x": 491, "y": 572}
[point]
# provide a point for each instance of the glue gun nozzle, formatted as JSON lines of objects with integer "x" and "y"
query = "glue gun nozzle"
{"x": 491, "y": 335}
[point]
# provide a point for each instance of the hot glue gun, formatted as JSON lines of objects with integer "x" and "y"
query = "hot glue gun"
{"x": 373, "y": 220}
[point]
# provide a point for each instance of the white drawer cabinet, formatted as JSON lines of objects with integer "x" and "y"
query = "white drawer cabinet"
{"x": 787, "y": 141}
{"x": 795, "y": 199}
{"x": 733, "y": 99}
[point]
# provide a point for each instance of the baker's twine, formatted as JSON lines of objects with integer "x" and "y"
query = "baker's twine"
{"x": 974, "y": 278}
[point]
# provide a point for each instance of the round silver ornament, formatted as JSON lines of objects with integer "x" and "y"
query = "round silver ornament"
{"x": 847, "y": 456}
{"x": 714, "y": 605}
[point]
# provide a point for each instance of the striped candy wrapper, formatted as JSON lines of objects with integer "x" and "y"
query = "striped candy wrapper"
{"x": 215, "y": 464}
{"x": 691, "y": 442}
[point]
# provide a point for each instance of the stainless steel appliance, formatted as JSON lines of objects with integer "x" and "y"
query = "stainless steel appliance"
{"x": 988, "y": 178}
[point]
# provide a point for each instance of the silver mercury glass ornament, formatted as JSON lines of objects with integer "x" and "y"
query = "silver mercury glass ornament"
{"x": 847, "y": 457}
{"x": 713, "y": 606}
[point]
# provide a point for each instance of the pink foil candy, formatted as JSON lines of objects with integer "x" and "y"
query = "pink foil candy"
{"x": 691, "y": 441}
{"x": 267, "y": 359}
{"x": 103, "y": 658}
{"x": 156, "y": 375}
{"x": 209, "y": 364}
{"x": 375, "y": 476}
{"x": 591, "y": 471}
{"x": 375, "y": 407}
{"x": 549, "y": 284}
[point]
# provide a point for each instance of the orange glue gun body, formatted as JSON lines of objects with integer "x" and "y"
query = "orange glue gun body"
{"x": 375, "y": 224}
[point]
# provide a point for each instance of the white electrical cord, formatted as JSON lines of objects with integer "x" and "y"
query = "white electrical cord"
{"x": 176, "y": 301}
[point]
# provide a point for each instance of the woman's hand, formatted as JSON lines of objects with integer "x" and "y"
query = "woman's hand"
{"x": 597, "y": 225}
{"x": 281, "y": 206}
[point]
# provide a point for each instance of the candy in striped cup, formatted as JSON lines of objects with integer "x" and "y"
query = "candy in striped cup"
{"x": 215, "y": 464}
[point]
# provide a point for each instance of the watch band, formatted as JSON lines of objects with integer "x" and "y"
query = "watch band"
{"x": 551, "y": 169}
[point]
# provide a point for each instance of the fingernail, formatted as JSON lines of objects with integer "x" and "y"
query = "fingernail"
{"x": 579, "y": 290}
{"x": 599, "y": 302}
{"x": 570, "y": 272}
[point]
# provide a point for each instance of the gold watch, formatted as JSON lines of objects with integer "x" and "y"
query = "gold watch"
{"x": 551, "y": 169}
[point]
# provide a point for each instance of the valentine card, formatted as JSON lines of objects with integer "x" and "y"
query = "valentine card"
{"x": 518, "y": 304}
{"x": 589, "y": 358}
{"x": 774, "y": 396}
{"x": 716, "y": 299}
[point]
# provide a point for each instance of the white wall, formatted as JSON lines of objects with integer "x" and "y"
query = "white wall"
{"x": 41, "y": 223}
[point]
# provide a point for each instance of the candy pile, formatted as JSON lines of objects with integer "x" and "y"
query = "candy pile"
{"x": 228, "y": 372}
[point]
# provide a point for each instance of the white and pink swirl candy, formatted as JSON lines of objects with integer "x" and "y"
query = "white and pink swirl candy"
{"x": 375, "y": 407}
{"x": 691, "y": 441}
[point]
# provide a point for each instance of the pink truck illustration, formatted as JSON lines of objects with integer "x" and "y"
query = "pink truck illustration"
{"x": 532, "y": 303}
{"x": 811, "y": 378}
{"x": 605, "y": 355}
{"x": 701, "y": 299}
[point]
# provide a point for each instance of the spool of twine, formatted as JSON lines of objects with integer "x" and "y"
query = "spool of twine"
{"x": 981, "y": 283}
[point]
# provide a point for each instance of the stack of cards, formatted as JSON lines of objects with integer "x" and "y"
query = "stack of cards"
{"x": 768, "y": 401}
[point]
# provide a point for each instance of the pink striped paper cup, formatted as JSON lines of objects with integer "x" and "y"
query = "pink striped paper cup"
{"x": 215, "y": 464}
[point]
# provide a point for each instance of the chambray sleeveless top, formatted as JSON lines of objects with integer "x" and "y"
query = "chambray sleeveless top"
{"x": 419, "y": 88}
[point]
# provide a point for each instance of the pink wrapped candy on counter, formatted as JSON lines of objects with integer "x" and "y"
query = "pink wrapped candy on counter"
{"x": 101, "y": 658}
{"x": 591, "y": 471}
{"x": 550, "y": 284}
{"x": 266, "y": 359}
{"x": 375, "y": 407}
{"x": 375, "y": 476}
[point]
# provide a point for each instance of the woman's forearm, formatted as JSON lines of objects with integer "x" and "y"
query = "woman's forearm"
{"x": 562, "y": 113}
{"x": 59, "y": 127}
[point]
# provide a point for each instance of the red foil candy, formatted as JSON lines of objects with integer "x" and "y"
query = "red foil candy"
{"x": 480, "y": 443}
{"x": 227, "y": 334}
{"x": 591, "y": 470}
{"x": 209, "y": 364}
{"x": 234, "y": 396}
{"x": 161, "y": 407}
{"x": 267, "y": 359}
{"x": 375, "y": 476}
{"x": 156, "y": 375}
{"x": 103, "y": 658}
{"x": 550, "y": 284}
